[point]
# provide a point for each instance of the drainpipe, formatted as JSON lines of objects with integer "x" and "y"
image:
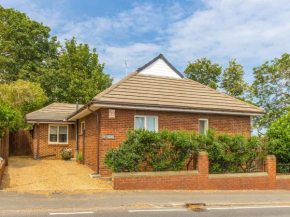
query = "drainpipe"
{"x": 77, "y": 130}
{"x": 77, "y": 136}
{"x": 98, "y": 138}
{"x": 37, "y": 150}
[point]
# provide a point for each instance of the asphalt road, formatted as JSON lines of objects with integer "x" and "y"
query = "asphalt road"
{"x": 180, "y": 212}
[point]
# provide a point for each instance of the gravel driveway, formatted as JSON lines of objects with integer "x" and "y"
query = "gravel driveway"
{"x": 25, "y": 174}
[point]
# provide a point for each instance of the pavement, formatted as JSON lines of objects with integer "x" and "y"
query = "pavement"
{"x": 139, "y": 199}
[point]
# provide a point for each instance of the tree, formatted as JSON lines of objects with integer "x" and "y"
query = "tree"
{"x": 233, "y": 82}
{"x": 204, "y": 72}
{"x": 9, "y": 118}
{"x": 23, "y": 97}
{"x": 278, "y": 136}
{"x": 78, "y": 76}
{"x": 271, "y": 89}
{"x": 25, "y": 47}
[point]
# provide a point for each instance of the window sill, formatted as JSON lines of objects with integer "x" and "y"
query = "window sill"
{"x": 58, "y": 144}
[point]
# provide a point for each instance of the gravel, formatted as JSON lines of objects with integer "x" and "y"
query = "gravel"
{"x": 25, "y": 174}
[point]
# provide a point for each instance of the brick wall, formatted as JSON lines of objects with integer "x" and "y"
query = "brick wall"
{"x": 283, "y": 182}
{"x": 170, "y": 120}
{"x": 50, "y": 149}
{"x": 90, "y": 153}
{"x": 202, "y": 180}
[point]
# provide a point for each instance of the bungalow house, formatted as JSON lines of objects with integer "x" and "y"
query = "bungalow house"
{"x": 154, "y": 97}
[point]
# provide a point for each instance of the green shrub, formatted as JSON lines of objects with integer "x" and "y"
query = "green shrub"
{"x": 235, "y": 153}
{"x": 278, "y": 136}
{"x": 165, "y": 150}
{"x": 80, "y": 156}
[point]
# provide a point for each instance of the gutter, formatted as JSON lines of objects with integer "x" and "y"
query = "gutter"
{"x": 173, "y": 109}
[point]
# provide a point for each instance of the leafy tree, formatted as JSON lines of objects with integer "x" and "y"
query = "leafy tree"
{"x": 233, "y": 82}
{"x": 25, "y": 47}
{"x": 78, "y": 76}
{"x": 9, "y": 118}
{"x": 23, "y": 97}
{"x": 271, "y": 89}
{"x": 278, "y": 136}
{"x": 204, "y": 72}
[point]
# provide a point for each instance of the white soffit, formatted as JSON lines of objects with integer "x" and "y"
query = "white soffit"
{"x": 159, "y": 68}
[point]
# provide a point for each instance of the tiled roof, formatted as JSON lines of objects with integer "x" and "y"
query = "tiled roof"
{"x": 157, "y": 91}
{"x": 52, "y": 112}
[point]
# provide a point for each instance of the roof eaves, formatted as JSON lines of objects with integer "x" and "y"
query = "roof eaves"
{"x": 174, "y": 107}
{"x": 160, "y": 56}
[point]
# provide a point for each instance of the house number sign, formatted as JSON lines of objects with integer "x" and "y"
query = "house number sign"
{"x": 108, "y": 136}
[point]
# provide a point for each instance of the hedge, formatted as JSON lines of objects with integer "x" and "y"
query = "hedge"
{"x": 176, "y": 150}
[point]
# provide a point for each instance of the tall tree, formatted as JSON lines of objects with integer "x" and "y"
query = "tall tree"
{"x": 23, "y": 97}
{"x": 9, "y": 118}
{"x": 78, "y": 76}
{"x": 271, "y": 89}
{"x": 233, "y": 82}
{"x": 204, "y": 72}
{"x": 25, "y": 47}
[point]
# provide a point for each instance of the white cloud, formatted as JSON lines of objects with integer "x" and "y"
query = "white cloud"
{"x": 136, "y": 55}
{"x": 252, "y": 31}
{"x": 53, "y": 17}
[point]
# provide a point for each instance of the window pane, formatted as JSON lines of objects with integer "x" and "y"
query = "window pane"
{"x": 202, "y": 127}
{"x": 62, "y": 134}
{"x": 151, "y": 123}
{"x": 83, "y": 127}
{"x": 139, "y": 123}
{"x": 53, "y": 134}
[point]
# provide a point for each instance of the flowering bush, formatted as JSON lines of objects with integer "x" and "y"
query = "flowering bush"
{"x": 66, "y": 153}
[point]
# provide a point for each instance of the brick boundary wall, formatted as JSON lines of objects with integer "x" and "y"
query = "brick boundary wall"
{"x": 283, "y": 182}
{"x": 200, "y": 179}
{"x": 2, "y": 168}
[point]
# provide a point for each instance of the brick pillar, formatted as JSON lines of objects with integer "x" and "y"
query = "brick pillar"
{"x": 271, "y": 169}
{"x": 202, "y": 167}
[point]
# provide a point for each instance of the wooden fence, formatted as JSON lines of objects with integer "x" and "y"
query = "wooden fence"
{"x": 20, "y": 143}
{"x": 4, "y": 147}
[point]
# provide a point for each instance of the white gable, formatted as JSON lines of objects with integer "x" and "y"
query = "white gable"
{"x": 159, "y": 68}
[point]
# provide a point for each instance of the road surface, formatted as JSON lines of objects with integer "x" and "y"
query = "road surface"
{"x": 279, "y": 211}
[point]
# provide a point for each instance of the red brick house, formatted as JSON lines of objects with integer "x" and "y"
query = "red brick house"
{"x": 154, "y": 97}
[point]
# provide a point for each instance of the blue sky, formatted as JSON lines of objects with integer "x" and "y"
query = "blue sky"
{"x": 253, "y": 31}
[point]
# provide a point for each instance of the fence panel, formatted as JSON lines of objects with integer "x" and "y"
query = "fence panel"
{"x": 20, "y": 143}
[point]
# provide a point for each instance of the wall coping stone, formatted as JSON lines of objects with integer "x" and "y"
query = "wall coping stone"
{"x": 203, "y": 153}
{"x": 237, "y": 175}
{"x": 150, "y": 174}
{"x": 283, "y": 177}
{"x": 271, "y": 157}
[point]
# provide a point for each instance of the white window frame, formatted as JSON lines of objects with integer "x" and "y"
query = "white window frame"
{"x": 82, "y": 130}
{"x": 206, "y": 124}
{"x": 58, "y": 125}
{"x": 145, "y": 121}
